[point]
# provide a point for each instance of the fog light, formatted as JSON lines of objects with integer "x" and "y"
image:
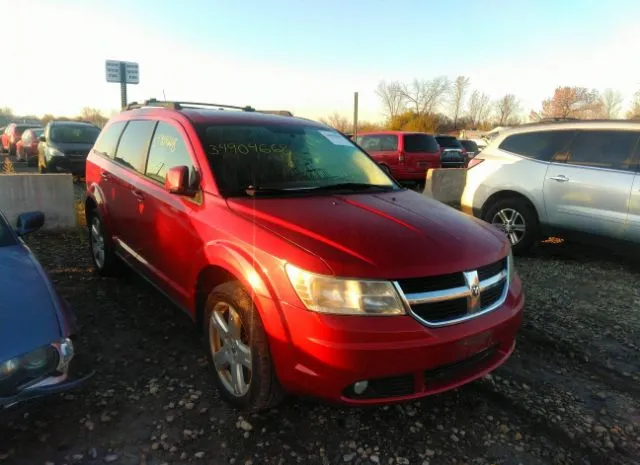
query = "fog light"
{"x": 360, "y": 387}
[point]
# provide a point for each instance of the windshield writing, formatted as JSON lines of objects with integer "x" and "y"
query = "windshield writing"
{"x": 285, "y": 157}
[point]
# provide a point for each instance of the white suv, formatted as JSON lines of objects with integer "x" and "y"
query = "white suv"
{"x": 568, "y": 178}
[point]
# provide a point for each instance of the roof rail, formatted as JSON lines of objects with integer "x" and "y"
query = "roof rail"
{"x": 276, "y": 112}
{"x": 176, "y": 105}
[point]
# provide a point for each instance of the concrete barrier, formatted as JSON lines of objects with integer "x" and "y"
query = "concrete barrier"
{"x": 52, "y": 194}
{"x": 446, "y": 184}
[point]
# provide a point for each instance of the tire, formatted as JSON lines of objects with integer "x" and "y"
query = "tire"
{"x": 522, "y": 218}
{"x": 105, "y": 263}
{"x": 247, "y": 350}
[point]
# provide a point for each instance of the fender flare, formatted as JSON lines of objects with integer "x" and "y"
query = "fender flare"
{"x": 249, "y": 273}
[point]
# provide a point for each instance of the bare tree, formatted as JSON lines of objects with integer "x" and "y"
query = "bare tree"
{"x": 478, "y": 108}
{"x": 572, "y": 102}
{"x": 93, "y": 116}
{"x": 507, "y": 108}
{"x": 337, "y": 121}
{"x": 634, "y": 112}
{"x": 458, "y": 91}
{"x": 392, "y": 98}
{"x": 425, "y": 95}
{"x": 611, "y": 101}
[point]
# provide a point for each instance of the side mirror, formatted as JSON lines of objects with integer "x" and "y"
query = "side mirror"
{"x": 177, "y": 181}
{"x": 42, "y": 139}
{"x": 29, "y": 222}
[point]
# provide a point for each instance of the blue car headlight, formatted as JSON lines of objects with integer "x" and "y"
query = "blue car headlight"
{"x": 42, "y": 362}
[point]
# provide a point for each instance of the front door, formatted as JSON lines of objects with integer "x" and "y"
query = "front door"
{"x": 587, "y": 188}
{"x": 169, "y": 239}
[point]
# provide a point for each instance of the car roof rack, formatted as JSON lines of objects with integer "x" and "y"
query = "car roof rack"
{"x": 178, "y": 105}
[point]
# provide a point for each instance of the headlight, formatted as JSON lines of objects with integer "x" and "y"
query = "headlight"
{"x": 326, "y": 294}
{"x": 8, "y": 368}
{"x": 51, "y": 152}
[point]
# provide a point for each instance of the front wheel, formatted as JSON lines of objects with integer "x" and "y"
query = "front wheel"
{"x": 517, "y": 219}
{"x": 102, "y": 255}
{"x": 238, "y": 349}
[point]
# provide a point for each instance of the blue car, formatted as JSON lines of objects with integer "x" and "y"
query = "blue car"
{"x": 36, "y": 325}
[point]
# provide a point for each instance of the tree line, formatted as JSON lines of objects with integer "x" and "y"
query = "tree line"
{"x": 441, "y": 104}
{"x": 87, "y": 114}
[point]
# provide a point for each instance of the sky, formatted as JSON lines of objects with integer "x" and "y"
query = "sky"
{"x": 310, "y": 56}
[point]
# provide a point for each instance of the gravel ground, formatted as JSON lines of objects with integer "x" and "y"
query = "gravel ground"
{"x": 570, "y": 394}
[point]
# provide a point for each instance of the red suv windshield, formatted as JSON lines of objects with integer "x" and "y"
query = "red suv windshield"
{"x": 285, "y": 157}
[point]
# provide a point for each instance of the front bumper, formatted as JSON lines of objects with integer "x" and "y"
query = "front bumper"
{"x": 46, "y": 387}
{"x": 66, "y": 165}
{"x": 399, "y": 357}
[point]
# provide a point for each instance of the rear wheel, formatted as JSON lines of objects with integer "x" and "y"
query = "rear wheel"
{"x": 238, "y": 349}
{"x": 517, "y": 219}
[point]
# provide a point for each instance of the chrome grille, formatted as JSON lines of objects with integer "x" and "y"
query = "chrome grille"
{"x": 453, "y": 298}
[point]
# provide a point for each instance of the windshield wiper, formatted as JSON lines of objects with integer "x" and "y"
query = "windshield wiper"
{"x": 353, "y": 186}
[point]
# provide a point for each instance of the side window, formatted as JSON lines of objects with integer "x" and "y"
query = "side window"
{"x": 168, "y": 150}
{"x": 108, "y": 139}
{"x": 604, "y": 149}
{"x": 380, "y": 143}
{"x": 542, "y": 145}
{"x": 134, "y": 144}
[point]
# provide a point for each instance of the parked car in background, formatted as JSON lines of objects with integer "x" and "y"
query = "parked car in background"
{"x": 452, "y": 152}
{"x": 471, "y": 147}
{"x": 405, "y": 155}
{"x": 12, "y": 135}
{"x": 64, "y": 146}
{"x": 27, "y": 146}
{"x": 575, "y": 179}
{"x": 307, "y": 267}
{"x": 36, "y": 347}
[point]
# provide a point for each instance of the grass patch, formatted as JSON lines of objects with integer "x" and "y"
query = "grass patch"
{"x": 81, "y": 219}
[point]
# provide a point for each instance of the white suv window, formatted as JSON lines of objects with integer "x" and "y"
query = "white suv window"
{"x": 540, "y": 145}
{"x": 604, "y": 149}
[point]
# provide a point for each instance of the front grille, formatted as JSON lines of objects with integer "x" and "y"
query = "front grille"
{"x": 432, "y": 283}
{"x": 491, "y": 295}
{"x": 396, "y": 386}
{"x": 450, "y": 372}
{"x": 493, "y": 269}
{"x": 440, "y": 299}
{"x": 444, "y": 310}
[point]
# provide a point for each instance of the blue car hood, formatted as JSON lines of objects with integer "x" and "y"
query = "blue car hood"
{"x": 29, "y": 307}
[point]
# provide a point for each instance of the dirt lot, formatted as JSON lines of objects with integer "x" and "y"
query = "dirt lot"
{"x": 569, "y": 395}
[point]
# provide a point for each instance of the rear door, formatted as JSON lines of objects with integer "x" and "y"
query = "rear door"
{"x": 126, "y": 198}
{"x": 383, "y": 148}
{"x": 587, "y": 188}
{"x": 421, "y": 152}
{"x": 169, "y": 238}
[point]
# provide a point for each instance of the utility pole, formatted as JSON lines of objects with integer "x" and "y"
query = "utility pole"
{"x": 355, "y": 115}
{"x": 123, "y": 85}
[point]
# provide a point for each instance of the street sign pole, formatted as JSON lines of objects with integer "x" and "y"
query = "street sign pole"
{"x": 355, "y": 115}
{"x": 123, "y": 85}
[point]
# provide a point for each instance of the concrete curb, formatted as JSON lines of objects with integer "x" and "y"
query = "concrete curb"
{"x": 51, "y": 194}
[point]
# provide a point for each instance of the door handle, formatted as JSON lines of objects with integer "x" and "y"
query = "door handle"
{"x": 138, "y": 195}
{"x": 106, "y": 176}
{"x": 560, "y": 178}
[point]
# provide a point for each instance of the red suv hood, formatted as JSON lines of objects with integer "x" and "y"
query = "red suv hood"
{"x": 388, "y": 235}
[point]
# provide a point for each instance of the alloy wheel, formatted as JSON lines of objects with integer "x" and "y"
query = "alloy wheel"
{"x": 97, "y": 242}
{"x": 511, "y": 222}
{"x": 230, "y": 350}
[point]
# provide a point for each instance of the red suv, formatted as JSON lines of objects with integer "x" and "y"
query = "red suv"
{"x": 405, "y": 155}
{"x": 308, "y": 269}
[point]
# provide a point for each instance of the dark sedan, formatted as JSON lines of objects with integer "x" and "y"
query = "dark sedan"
{"x": 36, "y": 325}
{"x": 64, "y": 147}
